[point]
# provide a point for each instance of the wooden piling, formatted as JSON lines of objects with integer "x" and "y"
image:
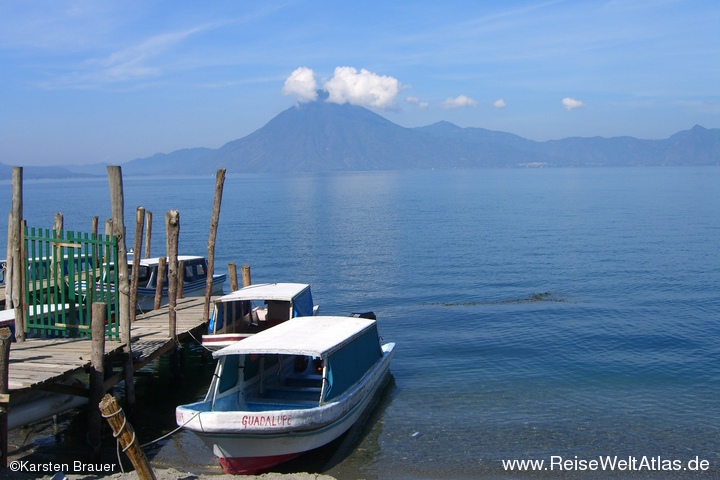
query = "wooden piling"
{"x": 162, "y": 266}
{"x": 58, "y": 223}
{"x": 148, "y": 233}
{"x": 96, "y": 250}
{"x": 97, "y": 377}
{"x": 8, "y": 264}
{"x": 172, "y": 224}
{"x": 246, "y": 275}
{"x": 214, "y": 219}
{"x": 117, "y": 202}
{"x": 124, "y": 432}
{"x": 5, "y": 339}
{"x": 137, "y": 253}
{"x": 18, "y": 289}
{"x": 232, "y": 273}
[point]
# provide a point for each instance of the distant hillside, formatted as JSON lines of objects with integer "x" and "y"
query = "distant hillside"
{"x": 326, "y": 137}
{"x": 698, "y": 146}
{"x": 186, "y": 161}
{"x": 37, "y": 173}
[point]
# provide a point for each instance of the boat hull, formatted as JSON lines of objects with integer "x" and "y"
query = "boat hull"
{"x": 251, "y": 442}
{"x": 253, "y": 465}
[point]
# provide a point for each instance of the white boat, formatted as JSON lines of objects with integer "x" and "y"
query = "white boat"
{"x": 288, "y": 390}
{"x": 194, "y": 281}
{"x": 255, "y": 308}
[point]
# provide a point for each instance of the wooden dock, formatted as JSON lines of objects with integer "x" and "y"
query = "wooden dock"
{"x": 43, "y": 364}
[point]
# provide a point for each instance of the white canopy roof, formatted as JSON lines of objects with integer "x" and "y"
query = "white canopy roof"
{"x": 312, "y": 336}
{"x": 265, "y": 291}
{"x": 156, "y": 260}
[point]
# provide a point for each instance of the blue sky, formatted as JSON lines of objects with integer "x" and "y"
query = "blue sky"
{"x": 110, "y": 81}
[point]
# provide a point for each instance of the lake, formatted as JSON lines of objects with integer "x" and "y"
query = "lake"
{"x": 562, "y": 315}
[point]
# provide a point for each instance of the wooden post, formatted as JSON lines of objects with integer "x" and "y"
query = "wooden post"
{"x": 5, "y": 339}
{"x": 214, "y": 219}
{"x": 148, "y": 233}
{"x": 125, "y": 434}
{"x": 58, "y": 223}
{"x": 117, "y": 201}
{"x": 18, "y": 289}
{"x": 172, "y": 224}
{"x": 246, "y": 275}
{"x": 96, "y": 250}
{"x": 181, "y": 278}
{"x": 137, "y": 253}
{"x": 108, "y": 233}
{"x": 8, "y": 264}
{"x": 162, "y": 266}
{"x": 97, "y": 377}
{"x": 232, "y": 273}
{"x": 109, "y": 227}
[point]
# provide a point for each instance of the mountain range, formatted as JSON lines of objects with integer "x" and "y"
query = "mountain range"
{"x": 326, "y": 137}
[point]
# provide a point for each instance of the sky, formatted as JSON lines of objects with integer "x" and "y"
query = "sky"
{"x": 88, "y": 81}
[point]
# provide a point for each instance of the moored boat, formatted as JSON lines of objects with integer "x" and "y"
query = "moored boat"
{"x": 288, "y": 390}
{"x": 255, "y": 308}
{"x": 194, "y": 281}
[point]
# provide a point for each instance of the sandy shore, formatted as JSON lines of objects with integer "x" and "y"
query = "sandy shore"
{"x": 173, "y": 474}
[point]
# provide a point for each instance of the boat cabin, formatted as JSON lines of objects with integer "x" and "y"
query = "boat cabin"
{"x": 302, "y": 363}
{"x": 255, "y": 308}
{"x": 195, "y": 270}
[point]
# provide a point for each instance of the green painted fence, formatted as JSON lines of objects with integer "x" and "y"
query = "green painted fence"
{"x": 65, "y": 272}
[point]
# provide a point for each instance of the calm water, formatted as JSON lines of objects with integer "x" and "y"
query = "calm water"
{"x": 538, "y": 313}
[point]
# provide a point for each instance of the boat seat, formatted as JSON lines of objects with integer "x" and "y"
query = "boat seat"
{"x": 265, "y": 405}
{"x": 292, "y": 388}
{"x": 304, "y": 381}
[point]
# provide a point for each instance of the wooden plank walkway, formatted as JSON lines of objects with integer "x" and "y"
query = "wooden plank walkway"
{"x": 45, "y": 363}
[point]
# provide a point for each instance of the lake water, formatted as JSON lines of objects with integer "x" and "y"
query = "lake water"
{"x": 538, "y": 314}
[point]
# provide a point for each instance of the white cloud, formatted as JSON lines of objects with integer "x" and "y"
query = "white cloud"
{"x": 571, "y": 104}
{"x": 499, "y": 103}
{"x": 138, "y": 62}
{"x": 459, "y": 102}
{"x": 366, "y": 88}
{"x": 301, "y": 83}
{"x": 417, "y": 102}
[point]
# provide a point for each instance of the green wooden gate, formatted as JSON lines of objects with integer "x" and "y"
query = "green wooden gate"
{"x": 65, "y": 272}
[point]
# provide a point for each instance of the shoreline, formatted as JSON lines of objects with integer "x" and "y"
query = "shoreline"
{"x": 172, "y": 474}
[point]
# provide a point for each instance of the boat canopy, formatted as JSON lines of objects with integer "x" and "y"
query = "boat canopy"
{"x": 298, "y": 293}
{"x": 311, "y": 336}
{"x": 266, "y": 291}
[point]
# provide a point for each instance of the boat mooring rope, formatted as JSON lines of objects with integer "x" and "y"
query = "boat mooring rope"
{"x": 170, "y": 433}
{"x": 122, "y": 427}
{"x": 117, "y": 435}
